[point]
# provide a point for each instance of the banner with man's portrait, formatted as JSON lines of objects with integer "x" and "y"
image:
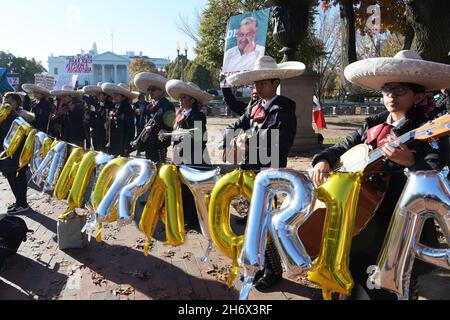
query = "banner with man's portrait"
{"x": 245, "y": 43}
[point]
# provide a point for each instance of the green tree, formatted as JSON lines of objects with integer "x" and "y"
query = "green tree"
{"x": 26, "y": 68}
{"x": 176, "y": 69}
{"x": 198, "y": 74}
{"x": 213, "y": 24}
{"x": 140, "y": 65}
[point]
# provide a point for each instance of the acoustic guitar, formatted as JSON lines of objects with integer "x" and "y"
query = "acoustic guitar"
{"x": 362, "y": 159}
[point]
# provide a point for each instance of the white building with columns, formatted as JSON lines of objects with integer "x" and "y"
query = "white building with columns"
{"x": 107, "y": 67}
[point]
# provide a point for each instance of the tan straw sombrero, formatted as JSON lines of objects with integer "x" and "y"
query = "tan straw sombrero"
{"x": 175, "y": 88}
{"x": 145, "y": 80}
{"x": 35, "y": 88}
{"x": 121, "y": 88}
{"x": 93, "y": 90}
{"x": 67, "y": 90}
{"x": 405, "y": 67}
{"x": 266, "y": 68}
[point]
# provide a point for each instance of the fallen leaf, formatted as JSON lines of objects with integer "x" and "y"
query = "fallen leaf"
{"x": 169, "y": 254}
{"x": 187, "y": 255}
{"x": 127, "y": 291}
{"x": 98, "y": 279}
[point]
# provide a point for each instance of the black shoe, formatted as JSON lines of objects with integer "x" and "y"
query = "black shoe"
{"x": 12, "y": 206}
{"x": 268, "y": 281}
{"x": 18, "y": 210}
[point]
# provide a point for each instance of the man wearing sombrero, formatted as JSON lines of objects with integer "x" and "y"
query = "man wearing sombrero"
{"x": 266, "y": 118}
{"x": 191, "y": 148}
{"x": 99, "y": 106}
{"x": 41, "y": 107}
{"x": 120, "y": 121}
{"x": 69, "y": 115}
{"x": 403, "y": 81}
{"x": 159, "y": 115}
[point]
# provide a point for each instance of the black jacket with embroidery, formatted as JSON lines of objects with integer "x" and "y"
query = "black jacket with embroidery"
{"x": 122, "y": 129}
{"x": 281, "y": 116}
{"x": 164, "y": 117}
{"x": 368, "y": 244}
{"x": 42, "y": 112}
{"x": 195, "y": 117}
{"x": 238, "y": 107}
{"x": 426, "y": 157}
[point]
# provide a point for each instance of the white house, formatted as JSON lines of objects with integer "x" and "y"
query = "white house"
{"x": 107, "y": 67}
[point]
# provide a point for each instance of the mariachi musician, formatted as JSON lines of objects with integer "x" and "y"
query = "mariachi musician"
{"x": 120, "y": 122}
{"x": 403, "y": 80}
{"x": 99, "y": 105}
{"x": 269, "y": 112}
{"x": 41, "y": 107}
{"x": 159, "y": 115}
{"x": 70, "y": 115}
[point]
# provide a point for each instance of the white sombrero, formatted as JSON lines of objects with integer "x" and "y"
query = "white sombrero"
{"x": 121, "y": 88}
{"x": 175, "y": 88}
{"x": 67, "y": 90}
{"x": 406, "y": 67}
{"x": 19, "y": 93}
{"x": 144, "y": 80}
{"x": 35, "y": 88}
{"x": 93, "y": 90}
{"x": 266, "y": 68}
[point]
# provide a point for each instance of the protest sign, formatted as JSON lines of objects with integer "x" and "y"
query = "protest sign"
{"x": 246, "y": 39}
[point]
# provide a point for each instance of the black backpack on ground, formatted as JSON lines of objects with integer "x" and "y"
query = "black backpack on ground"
{"x": 13, "y": 231}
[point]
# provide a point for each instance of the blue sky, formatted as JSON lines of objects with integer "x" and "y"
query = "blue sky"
{"x": 63, "y": 27}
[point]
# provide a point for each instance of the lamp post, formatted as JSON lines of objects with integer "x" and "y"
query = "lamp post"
{"x": 182, "y": 58}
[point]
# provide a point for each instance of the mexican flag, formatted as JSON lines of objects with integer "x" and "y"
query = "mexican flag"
{"x": 319, "y": 115}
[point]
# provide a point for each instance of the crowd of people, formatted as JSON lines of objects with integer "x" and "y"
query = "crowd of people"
{"x": 104, "y": 118}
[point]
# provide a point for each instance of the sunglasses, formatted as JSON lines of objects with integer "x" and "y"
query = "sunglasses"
{"x": 397, "y": 91}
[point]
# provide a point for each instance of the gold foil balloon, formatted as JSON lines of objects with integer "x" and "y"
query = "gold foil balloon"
{"x": 237, "y": 183}
{"x": 331, "y": 269}
{"x": 65, "y": 180}
{"x": 5, "y": 111}
{"x": 82, "y": 179}
{"x": 27, "y": 151}
{"x": 49, "y": 143}
{"x": 17, "y": 134}
{"x": 165, "y": 192}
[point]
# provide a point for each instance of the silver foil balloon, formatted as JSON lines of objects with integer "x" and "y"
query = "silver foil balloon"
{"x": 135, "y": 178}
{"x": 144, "y": 173}
{"x": 426, "y": 195}
{"x": 201, "y": 184}
{"x": 48, "y": 172}
{"x": 101, "y": 160}
{"x": 282, "y": 224}
{"x": 38, "y": 152}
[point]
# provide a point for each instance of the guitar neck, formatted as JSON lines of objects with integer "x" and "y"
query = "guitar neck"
{"x": 378, "y": 155}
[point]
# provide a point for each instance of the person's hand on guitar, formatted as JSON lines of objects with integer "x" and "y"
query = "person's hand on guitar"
{"x": 401, "y": 155}
{"x": 320, "y": 173}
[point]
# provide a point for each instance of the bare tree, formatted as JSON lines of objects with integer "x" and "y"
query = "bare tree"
{"x": 190, "y": 28}
{"x": 327, "y": 66}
